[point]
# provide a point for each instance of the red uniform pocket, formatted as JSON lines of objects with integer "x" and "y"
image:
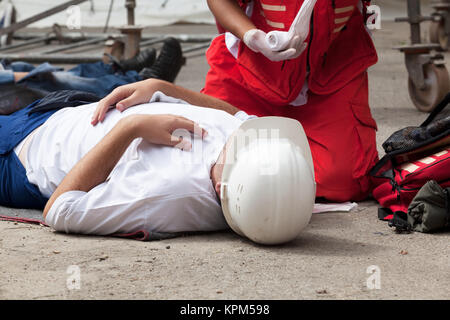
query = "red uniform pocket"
{"x": 277, "y": 82}
{"x": 348, "y": 51}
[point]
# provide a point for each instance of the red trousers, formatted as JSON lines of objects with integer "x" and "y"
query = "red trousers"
{"x": 339, "y": 126}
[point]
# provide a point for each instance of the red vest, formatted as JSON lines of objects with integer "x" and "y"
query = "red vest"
{"x": 339, "y": 49}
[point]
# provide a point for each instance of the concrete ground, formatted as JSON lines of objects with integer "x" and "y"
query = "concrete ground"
{"x": 332, "y": 259}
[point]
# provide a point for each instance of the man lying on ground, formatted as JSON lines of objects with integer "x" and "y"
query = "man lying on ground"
{"x": 124, "y": 175}
{"x": 22, "y": 83}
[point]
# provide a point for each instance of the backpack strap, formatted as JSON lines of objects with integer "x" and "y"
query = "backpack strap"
{"x": 375, "y": 170}
{"x": 397, "y": 219}
{"x": 437, "y": 110}
{"x": 400, "y": 222}
{"x": 385, "y": 214}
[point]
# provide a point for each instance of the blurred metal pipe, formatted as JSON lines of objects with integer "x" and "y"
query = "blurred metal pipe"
{"x": 414, "y": 15}
{"x": 180, "y": 37}
{"x": 145, "y": 37}
{"x": 130, "y": 5}
{"x": 111, "y": 3}
{"x": 72, "y": 36}
{"x": 75, "y": 45}
{"x": 39, "y": 16}
{"x": 52, "y": 58}
{"x": 27, "y": 42}
{"x": 197, "y": 47}
{"x": 152, "y": 41}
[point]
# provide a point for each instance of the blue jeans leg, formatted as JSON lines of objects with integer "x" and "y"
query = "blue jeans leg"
{"x": 97, "y": 78}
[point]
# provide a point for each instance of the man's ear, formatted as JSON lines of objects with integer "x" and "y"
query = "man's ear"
{"x": 217, "y": 188}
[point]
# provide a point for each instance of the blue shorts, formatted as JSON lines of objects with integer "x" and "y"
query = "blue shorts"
{"x": 15, "y": 189}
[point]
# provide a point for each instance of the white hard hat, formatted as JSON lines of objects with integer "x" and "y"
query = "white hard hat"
{"x": 268, "y": 188}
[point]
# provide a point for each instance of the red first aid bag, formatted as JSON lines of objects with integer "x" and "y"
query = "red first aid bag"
{"x": 404, "y": 181}
{"x": 414, "y": 156}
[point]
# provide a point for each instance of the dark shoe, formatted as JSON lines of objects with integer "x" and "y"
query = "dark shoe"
{"x": 143, "y": 60}
{"x": 168, "y": 64}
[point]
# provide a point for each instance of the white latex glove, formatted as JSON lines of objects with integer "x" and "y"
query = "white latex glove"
{"x": 282, "y": 40}
{"x": 298, "y": 31}
{"x": 255, "y": 39}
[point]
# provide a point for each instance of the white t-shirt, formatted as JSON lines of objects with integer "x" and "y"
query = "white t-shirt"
{"x": 152, "y": 187}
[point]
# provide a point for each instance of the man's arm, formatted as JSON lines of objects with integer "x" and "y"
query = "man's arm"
{"x": 196, "y": 98}
{"x": 141, "y": 92}
{"x": 95, "y": 167}
{"x": 231, "y": 17}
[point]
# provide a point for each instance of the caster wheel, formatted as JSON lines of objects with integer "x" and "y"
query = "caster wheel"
{"x": 438, "y": 85}
{"x": 438, "y": 35}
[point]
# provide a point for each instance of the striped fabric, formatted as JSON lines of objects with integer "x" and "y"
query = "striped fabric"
{"x": 274, "y": 14}
{"x": 342, "y": 15}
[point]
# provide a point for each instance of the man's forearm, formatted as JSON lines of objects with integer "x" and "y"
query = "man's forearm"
{"x": 140, "y": 92}
{"x": 195, "y": 98}
{"x": 98, "y": 163}
{"x": 231, "y": 16}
